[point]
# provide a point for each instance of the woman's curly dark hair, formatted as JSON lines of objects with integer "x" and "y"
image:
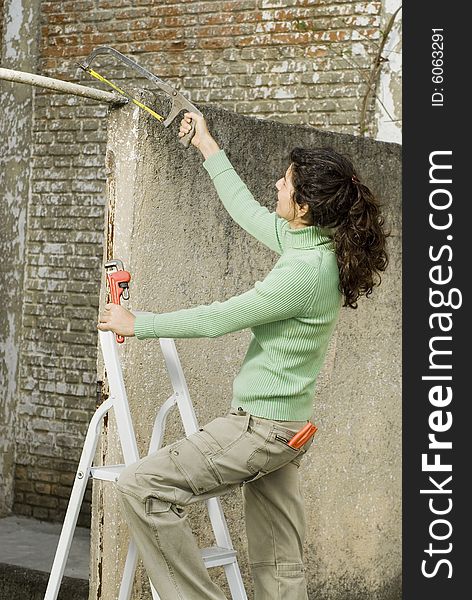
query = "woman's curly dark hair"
{"x": 328, "y": 183}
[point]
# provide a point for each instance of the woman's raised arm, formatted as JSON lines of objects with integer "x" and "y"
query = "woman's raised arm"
{"x": 257, "y": 220}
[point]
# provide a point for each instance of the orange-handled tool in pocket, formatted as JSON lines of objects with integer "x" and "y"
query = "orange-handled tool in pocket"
{"x": 302, "y": 436}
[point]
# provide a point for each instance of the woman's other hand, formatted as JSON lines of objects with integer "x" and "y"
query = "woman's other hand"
{"x": 117, "y": 319}
{"x": 202, "y": 138}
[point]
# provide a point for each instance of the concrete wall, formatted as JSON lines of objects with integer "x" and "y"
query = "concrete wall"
{"x": 182, "y": 249}
{"x": 18, "y": 50}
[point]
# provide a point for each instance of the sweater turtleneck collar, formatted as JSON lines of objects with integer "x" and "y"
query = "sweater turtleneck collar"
{"x": 308, "y": 237}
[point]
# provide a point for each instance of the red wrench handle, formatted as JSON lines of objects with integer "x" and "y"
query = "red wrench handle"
{"x": 116, "y": 290}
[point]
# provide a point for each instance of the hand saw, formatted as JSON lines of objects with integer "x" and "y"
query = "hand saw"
{"x": 179, "y": 102}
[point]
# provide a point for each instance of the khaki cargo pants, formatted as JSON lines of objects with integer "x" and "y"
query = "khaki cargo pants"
{"x": 236, "y": 450}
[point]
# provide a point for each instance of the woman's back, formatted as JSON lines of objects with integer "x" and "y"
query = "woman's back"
{"x": 278, "y": 375}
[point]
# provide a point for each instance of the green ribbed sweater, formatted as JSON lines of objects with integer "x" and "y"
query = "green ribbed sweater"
{"x": 291, "y": 313}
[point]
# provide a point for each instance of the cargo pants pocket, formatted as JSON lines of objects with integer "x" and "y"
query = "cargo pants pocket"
{"x": 155, "y": 506}
{"x": 194, "y": 455}
{"x": 275, "y": 453}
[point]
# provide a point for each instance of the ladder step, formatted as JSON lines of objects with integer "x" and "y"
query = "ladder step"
{"x": 216, "y": 556}
{"x": 107, "y": 473}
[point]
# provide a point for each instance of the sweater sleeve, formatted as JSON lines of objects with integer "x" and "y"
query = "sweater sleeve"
{"x": 256, "y": 219}
{"x": 283, "y": 294}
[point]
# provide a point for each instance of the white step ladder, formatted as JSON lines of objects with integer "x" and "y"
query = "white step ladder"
{"x": 223, "y": 554}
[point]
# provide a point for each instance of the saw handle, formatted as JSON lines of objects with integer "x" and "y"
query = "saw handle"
{"x": 187, "y": 138}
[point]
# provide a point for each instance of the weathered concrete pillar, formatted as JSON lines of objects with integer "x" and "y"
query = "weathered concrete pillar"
{"x": 182, "y": 249}
{"x": 109, "y": 534}
{"x": 19, "y": 51}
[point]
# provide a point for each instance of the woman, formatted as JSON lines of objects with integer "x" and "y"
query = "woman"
{"x": 329, "y": 234}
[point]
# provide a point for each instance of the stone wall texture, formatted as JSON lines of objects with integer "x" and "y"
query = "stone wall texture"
{"x": 297, "y": 62}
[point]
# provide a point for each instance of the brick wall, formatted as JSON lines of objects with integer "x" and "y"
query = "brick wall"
{"x": 303, "y": 61}
{"x": 279, "y": 59}
{"x": 64, "y": 252}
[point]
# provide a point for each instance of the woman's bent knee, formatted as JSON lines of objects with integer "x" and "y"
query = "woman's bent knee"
{"x": 127, "y": 479}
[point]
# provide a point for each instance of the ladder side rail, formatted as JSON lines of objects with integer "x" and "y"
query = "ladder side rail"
{"x": 155, "y": 595}
{"x": 235, "y": 581}
{"x": 218, "y": 520}
{"x": 179, "y": 385}
{"x": 124, "y": 422}
{"x": 127, "y": 578}
{"x": 75, "y": 501}
{"x": 126, "y": 436}
{"x": 160, "y": 423}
